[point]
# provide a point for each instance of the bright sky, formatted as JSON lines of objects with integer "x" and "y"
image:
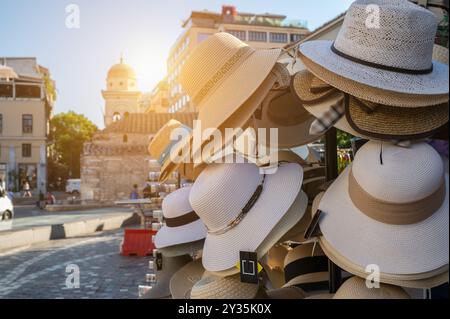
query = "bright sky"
{"x": 144, "y": 30}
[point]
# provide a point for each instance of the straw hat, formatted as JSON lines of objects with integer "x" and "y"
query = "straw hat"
{"x": 273, "y": 265}
{"x": 306, "y": 267}
{"x": 281, "y": 110}
{"x": 184, "y": 279}
{"x": 183, "y": 249}
{"x": 170, "y": 137}
{"x": 182, "y": 224}
{"x": 388, "y": 211}
{"x": 221, "y": 74}
{"x": 286, "y": 293}
{"x": 170, "y": 265}
{"x": 399, "y": 67}
{"x": 232, "y": 199}
{"x": 355, "y": 288}
{"x": 213, "y": 287}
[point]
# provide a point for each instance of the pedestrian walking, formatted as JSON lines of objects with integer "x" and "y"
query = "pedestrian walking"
{"x": 27, "y": 190}
{"x": 134, "y": 193}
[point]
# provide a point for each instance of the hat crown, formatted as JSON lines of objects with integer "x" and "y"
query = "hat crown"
{"x": 355, "y": 288}
{"x": 177, "y": 203}
{"x": 207, "y": 60}
{"x": 222, "y": 190}
{"x": 393, "y": 33}
{"x": 405, "y": 175}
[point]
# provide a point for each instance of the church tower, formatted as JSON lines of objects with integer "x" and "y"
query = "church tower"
{"x": 121, "y": 94}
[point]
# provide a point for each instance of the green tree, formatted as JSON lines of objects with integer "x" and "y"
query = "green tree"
{"x": 68, "y": 132}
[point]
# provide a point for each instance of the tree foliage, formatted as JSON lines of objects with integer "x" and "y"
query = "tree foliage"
{"x": 68, "y": 132}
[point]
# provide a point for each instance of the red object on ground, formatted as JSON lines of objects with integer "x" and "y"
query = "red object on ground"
{"x": 138, "y": 242}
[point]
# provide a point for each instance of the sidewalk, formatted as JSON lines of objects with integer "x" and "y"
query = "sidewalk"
{"x": 49, "y": 226}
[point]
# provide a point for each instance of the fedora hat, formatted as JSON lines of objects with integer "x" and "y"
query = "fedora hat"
{"x": 221, "y": 74}
{"x": 170, "y": 265}
{"x": 388, "y": 211}
{"x": 170, "y": 137}
{"x": 232, "y": 199}
{"x": 184, "y": 279}
{"x": 355, "y": 288}
{"x": 393, "y": 56}
{"x": 214, "y": 287}
{"x": 272, "y": 264}
{"x": 306, "y": 267}
{"x": 366, "y": 119}
{"x": 281, "y": 110}
{"x": 286, "y": 293}
{"x": 182, "y": 224}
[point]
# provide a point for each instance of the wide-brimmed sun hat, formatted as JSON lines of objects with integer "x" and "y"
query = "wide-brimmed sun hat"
{"x": 393, "y": 57}
{"x": 213, "y": 287}
{"x": 395, "y": 214}
{"x": 184, "y": 279}
{"x": 306, "y": 267}
{"x": 182, "y": 224}
{"x": 241, "y": 207}
{"x": 272, "y": 264}
{"x": 355, "y": 288}
{"x": 171, "y": 136}
{"x": 280, "y": 110}
{"x": 189, "y": 248}
{"x": 366, "y": 119}
{"x": 170, "y": 265}
{"x": 286, "y": 293}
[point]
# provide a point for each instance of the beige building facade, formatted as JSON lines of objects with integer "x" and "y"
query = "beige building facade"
{"x": 25, "y": 111}
{"x": 259, "y": 31}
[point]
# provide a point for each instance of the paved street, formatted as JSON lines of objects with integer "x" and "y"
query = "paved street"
{"x": 39, "y": 271}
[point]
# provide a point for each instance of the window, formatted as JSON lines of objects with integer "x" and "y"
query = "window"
{"x": 26, "y": 150}
{"x": 27, "y": 123}
{"x": 296, "y": 37}
{"x": 241, "y": 35}
{"x": 116, "y": 117}
{"x": 278, "y": 37}
{"x": 257, "y": 36}
{"x": 28, "y": 173}
{"x": 1, "y": 123}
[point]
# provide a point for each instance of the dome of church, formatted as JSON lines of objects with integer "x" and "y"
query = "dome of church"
{"x": 121, "y": 70}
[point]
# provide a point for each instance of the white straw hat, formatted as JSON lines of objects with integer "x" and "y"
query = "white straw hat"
{"x": 213, "y": 287}
{"x": 393, "y": 55}
{"x": 189, "y": 248}
{"x": 355, "y": 288}
{"x": 392, "y": 203}
{"x": 240, "y": 207}
{"x": 170, "y": 265}
{"x": 182, "y": 223}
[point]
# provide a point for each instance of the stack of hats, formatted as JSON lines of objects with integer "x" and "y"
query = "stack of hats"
{"x": 388, "y": 210}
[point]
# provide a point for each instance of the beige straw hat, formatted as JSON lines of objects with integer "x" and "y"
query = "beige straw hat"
{"x": 306, "y": 267}
{"x": 184, "y": 279}
{"x": 388, "y": 211}
{"x": 281, "y": 110}
{"x": 213, "y": 287}
{"x": 232, "y": 199}
{"x": 170, "y": 265}
{"x": 273, "y": 265}
{"x": 170, "y": 137}
{"x": 286, "y": 293}
{"x": 398, "y": 67}
{"x": 355, "y": 288}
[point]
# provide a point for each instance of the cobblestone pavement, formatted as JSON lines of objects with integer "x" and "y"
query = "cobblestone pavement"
{"x": 39, "y": 271}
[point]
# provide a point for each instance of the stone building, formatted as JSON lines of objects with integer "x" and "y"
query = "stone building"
{"x": 117, "y": 157}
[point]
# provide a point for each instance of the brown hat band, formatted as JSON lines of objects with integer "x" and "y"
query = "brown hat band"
{"x": 395, "y": 213}
{"x": 221, "y": 73}
{"x": 182, "y": 220}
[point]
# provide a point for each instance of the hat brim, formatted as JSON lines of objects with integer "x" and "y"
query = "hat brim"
{"x": 183, "y": 249}
{"x": 389, "y": 122}
{"x": 171, "y": 236}
{"x": 286, "y": 293}
{"x": 434, "y": 83}
{"x": 184, "y": 279}
{"x": 221, "y": 252}
{"x": 410, "y": 251}
{"x": 237, "y": 88}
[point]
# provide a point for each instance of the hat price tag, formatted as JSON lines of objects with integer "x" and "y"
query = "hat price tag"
{"x": 313, "y": 229}
{"x": 159, "y": 261}
{"x": 249, "y": 267}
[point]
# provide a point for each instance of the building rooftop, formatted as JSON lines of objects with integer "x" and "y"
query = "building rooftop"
{"x": 24, "y": 66}
{"x": 149, "y": 123}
